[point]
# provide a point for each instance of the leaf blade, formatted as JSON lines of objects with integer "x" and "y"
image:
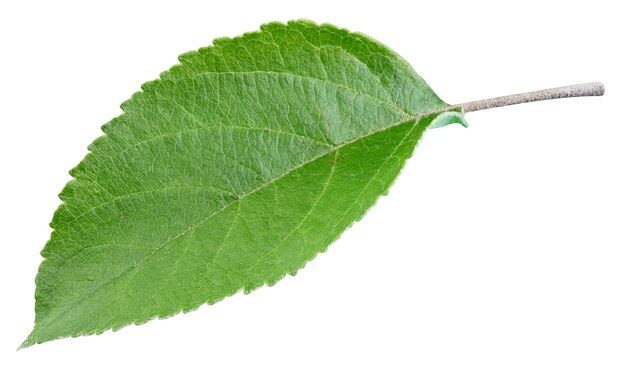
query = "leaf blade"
{"x": 217, "y": 156}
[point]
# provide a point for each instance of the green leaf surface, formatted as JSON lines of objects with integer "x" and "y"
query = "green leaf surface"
{"x": 233, "y": 169}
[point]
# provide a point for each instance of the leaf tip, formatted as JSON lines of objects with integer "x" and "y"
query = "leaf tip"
{"x": 29, "y": 341}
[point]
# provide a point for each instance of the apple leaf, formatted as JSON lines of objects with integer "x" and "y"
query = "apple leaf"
{"x": 233, "y": 169}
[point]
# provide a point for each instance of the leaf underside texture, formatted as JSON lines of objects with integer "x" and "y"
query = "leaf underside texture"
{"x": 233, "y": 169}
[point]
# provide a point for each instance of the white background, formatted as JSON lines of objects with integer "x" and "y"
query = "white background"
{"x": 499, "y": 255}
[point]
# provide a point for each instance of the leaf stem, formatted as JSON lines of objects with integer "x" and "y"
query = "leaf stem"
{"x": 578, "y": 90}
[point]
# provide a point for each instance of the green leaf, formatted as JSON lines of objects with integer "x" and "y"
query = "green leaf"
{"x": 233, "y": 169}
